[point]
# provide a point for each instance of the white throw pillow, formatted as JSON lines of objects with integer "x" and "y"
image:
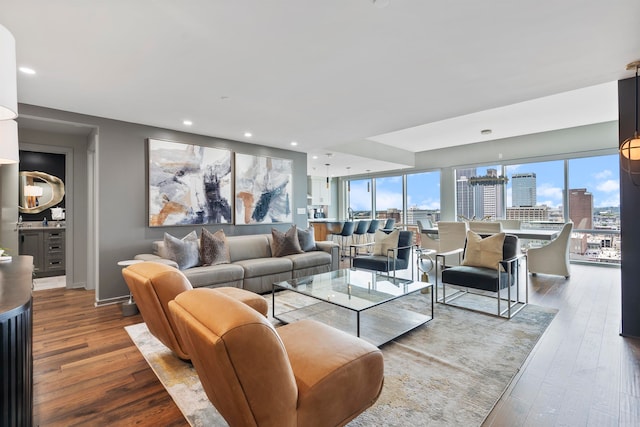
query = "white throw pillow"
{"x": 383, "y": 241}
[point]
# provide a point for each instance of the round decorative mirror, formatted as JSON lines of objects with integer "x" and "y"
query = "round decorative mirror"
{"x": 39, "y": 191}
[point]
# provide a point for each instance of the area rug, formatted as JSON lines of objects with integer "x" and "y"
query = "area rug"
{"x": 448, "y": 372}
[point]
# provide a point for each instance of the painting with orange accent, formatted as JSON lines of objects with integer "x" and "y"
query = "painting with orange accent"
{"x": 188, "y": 184}
{"x": 263, "y": 190}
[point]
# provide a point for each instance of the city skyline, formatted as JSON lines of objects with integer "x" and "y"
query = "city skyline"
{"x": 599, "y": 175}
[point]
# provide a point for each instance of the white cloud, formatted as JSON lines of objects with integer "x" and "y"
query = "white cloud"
{"x": 613, "y": 200}
{"x": 603, "y": 174}
{"x": 386, "y": 200}
{"x": 608, "y": 186}
{"x": 548, "y": 190}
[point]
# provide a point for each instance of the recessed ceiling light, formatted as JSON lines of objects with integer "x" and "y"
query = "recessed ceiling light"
{"x": 27, "y": 70}
{"x": 486, "y": 131}
{"x": 187, "y": 122}
{"x": 294, "y": 143}
{"x": 248, "y": 134}
{"x": 314, "y": 157}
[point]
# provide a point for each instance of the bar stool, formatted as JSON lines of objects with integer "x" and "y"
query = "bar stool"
{"x": 359, "y": 234}
{"x": 388, "y": 225}
{"x": 345, "y": 236}
{"x": 373, "y": 226}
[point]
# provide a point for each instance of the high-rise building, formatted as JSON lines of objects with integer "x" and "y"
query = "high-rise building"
{"x": 581, "y": 208}
{"x": 523, "y": 189}
{"x": 465, "y": 200}
{"x": 492, "y": 197}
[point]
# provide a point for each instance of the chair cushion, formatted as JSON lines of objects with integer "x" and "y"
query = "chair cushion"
{"x": 485, "y": 252}
{"x": 285, "y": 243}
{"x": 379, "y": 263}
{"x": 213, "y": 248}
{"x": 482, "y": 278}
{"x": 384, "y": 241}
{"x": 307, "y": 239}
{"x": 185, "y": 252}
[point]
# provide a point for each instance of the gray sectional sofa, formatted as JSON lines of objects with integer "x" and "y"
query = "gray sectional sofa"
{"x": 252, "y": 265}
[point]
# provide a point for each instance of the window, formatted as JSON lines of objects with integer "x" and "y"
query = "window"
{"x": 594, "y": 208}
{"x": 389, "y": 198}
{"x": 480, "y": 193}
{"x": 535, "y": 193}
{"x": 423, "y": 198}
{"x": 360, "y": 198}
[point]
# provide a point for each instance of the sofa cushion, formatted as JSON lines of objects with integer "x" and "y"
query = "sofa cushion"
{"x": 309, "y": 259}
{"x": 286, "y": 243}
{"x": 307, "y": 239}
{"x": 214, "y": 275}
{"x": 249, "y": 247}
{"x": 185, "y": 251}
{"x": 213, "y": 248}
{"x": 264, "y": 266}
{"x": 485, "y": 252}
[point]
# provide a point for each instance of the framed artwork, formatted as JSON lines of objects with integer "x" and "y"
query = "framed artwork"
{"x": 263, "y": 190}
{"x": 189, "y": 184}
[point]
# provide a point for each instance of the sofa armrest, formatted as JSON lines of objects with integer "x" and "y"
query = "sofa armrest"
{"x": 333, "y": 249}
{"x": 156, "y": 258}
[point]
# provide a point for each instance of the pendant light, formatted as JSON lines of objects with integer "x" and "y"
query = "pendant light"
{"x": 327, "y": 165}
{"x": 8, "y": 83}
{"x": 630, "y": 147}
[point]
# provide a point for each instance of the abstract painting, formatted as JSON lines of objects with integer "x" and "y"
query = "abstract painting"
{"x": 263, "y": 190}
{"x": 188, "y": 184}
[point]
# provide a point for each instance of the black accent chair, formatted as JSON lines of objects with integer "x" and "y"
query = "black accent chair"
{"x": 489, "y": 280}
{"x": 398, "y": 258}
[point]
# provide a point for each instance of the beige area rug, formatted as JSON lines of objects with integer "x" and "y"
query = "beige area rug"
{"x": 448, "y": 372}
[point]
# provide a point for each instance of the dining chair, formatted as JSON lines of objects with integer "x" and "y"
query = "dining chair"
{"x": 452, "y": 235}
{"x": 510, "y": 224}
{"x": 485, "y": 226}
{"x": 552, "y": 258}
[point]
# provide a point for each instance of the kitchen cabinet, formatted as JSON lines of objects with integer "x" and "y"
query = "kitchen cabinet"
{"x": 320, "y": 194}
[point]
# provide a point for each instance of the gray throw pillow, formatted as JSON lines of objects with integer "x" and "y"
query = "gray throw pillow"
{"x": 307, "y": 239}
{"x": 213, "y": 248}
{"x": 285, "y": 243}
{"x": 185, "y": 251}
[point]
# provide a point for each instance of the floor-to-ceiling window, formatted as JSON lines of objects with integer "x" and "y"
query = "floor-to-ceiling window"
{"x": 423, "y": 198}
{"x": 389, "y": 197}
{"x": 594, "y": 208}
{"x": 548, "y": 194}
{"x": 360, "y": 198}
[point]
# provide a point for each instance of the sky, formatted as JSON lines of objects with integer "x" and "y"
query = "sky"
{"x": 599, "y": 175}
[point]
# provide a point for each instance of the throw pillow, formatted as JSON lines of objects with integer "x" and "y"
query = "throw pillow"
{"x": 485, "y": 252}
{"x": 383, "y": 241}
{"x": 213, "y": 248}
{"x": 185, "y": 251}
{"x": 307, "y": 239}
{"x": 285, "y": 243}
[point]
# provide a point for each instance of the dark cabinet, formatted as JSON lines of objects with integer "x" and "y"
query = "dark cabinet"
{"x": 47, "y": 247}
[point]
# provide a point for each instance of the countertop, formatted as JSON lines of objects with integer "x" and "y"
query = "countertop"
{"x": 51, "y": 226}
{"x": 15, "y": 283}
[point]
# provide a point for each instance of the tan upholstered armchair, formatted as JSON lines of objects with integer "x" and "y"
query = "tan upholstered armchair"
{"x": 301, "y": 374}
{"x": 153, "y": 285}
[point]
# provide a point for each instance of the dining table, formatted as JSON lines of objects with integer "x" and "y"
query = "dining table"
{"x": 522, "y": 233}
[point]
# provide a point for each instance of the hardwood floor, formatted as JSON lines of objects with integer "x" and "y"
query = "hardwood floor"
{"x": 86, "y": 369}
{"x": 88, "y": 372}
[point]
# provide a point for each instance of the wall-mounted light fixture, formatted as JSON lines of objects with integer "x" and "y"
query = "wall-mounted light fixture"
{"x": 630, "y": 147}
{"x": 8, "y": 85}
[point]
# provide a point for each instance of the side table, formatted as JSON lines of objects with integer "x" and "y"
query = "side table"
{"x": 424, "y": 254}
{"x": 129, "y": 308}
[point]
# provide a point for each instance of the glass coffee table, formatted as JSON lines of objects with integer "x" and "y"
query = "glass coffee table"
{"x": 373, "y": 306}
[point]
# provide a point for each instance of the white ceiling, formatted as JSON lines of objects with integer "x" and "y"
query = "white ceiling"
{"x": 337, "y": 76}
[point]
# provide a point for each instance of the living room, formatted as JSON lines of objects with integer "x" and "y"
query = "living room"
{"x": 107, "y": 197}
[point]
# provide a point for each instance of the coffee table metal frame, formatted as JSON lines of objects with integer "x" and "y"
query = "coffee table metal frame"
{"x": 300, "y": 286}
